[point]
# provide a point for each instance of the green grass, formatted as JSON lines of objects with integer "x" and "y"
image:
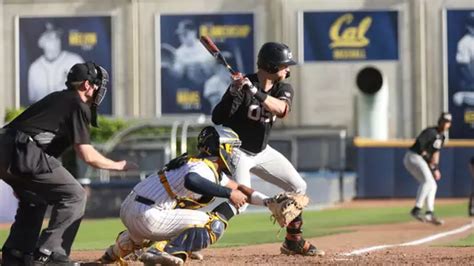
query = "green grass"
{"x": 464, "y": 242}
{"x": 256, "y": 228}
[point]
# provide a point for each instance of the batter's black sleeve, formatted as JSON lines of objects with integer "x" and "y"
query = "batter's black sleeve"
{"x": 285, "y": 93}
{"x": 200, "y": 185}
{"x": 228, "y": 105}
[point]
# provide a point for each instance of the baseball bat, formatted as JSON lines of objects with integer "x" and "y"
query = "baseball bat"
{"x": 216, "y": 53}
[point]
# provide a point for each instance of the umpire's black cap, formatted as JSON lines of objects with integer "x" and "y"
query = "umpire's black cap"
{"x": 81, "y": 72}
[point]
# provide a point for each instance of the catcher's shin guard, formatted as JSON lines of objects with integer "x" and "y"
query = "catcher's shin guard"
{"x": 123, "y": 246}
{"x": 197, "y": 238}
{"x": 294, "y": 242}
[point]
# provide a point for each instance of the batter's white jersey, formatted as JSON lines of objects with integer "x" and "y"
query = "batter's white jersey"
{"x": 160, "y": 220}
{"x": 45, "y": 76}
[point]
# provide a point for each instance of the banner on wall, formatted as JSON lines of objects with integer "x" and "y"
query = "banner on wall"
{"x": 350, "y": 35}
{"x": 460, "y": 60}
{"x": 50, "y": 46}
{"x": 191, "y": 80}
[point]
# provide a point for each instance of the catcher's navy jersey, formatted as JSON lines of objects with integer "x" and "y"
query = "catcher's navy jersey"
{"x": 429, "y": 140}
{"x": 247, "y": 116}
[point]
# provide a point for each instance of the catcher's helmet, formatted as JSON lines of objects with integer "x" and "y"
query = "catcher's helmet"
{"x": 272, "y": 55}
{"x": 220, "y": 142}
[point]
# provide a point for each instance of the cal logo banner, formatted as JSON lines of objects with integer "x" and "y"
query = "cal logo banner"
{"x": 460, "y": 59}
{"x": 350, "y": 35}
{"x": 50, "y": 46}
{"x": 191, "y": 79}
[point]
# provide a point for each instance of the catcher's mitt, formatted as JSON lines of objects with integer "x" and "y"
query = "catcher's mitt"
{"x": 286, "y": 206}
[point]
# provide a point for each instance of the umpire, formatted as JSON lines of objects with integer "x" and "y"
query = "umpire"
{"x": 30, "y": 146}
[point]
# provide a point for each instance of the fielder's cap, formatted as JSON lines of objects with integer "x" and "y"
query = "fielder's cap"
{"x": 81, "y": 72}
{"x": 184, "y": 26}
{"x": 445, "y": 117}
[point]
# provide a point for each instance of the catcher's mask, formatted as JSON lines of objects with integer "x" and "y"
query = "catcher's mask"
{"x": 95, "y": 74}
{"x": 220, "y": 142}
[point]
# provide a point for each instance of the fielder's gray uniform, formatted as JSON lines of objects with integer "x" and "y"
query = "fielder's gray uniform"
{"x": 428, "y": 142}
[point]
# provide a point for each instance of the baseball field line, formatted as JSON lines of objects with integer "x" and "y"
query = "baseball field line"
{"x": 412, "y": 243}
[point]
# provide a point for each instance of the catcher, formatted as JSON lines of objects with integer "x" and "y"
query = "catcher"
{"x": 163, "y": 207}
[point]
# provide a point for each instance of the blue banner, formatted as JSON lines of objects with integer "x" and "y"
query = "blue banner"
{"x": 191, "y": 79}
{"x": 460, "y": 59}
{"x": 50, "y": 46}
{"x": 356, "y": 35}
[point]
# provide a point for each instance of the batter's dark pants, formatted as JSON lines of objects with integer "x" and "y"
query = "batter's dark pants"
{"x": 35, "y": 192}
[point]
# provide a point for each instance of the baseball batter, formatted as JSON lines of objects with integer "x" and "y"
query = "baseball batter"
{"x": 164, "y": 205}
{"x": 250, "y": 106}
{"x": 422, "y": 161}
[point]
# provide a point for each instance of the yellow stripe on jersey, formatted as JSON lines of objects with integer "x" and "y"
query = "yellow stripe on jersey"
{"x": 187, "y": 202}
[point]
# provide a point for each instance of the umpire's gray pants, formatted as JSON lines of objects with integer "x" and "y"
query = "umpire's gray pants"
{"x": 418, "y": 168}
{"x": 35, "y": 192}
{"x": 271, "y": 166}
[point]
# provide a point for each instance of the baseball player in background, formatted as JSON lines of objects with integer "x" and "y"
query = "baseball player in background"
{"x": 422, "y": 161}
{"x": 471, "y": 197}
{"x": 250, "y": 107}
{"x": 164, "y": 205}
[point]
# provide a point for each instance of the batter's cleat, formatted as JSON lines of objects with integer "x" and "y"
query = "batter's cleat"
{"x": 196, "y": 255}
{"x": 153, "y": 256}
{"x": 431, "y": 218}
{"x": 301, "y": 247}
{"x": 416, "y": 213}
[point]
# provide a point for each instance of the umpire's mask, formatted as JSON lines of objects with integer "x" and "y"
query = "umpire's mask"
{"x": 95, "y": 74}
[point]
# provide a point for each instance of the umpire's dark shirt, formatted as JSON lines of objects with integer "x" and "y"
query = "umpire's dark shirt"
{"x": 429, "y": 140}
{"x": 57, "y": 121}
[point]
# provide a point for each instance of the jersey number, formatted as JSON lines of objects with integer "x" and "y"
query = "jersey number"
{"x": 257, "y": 113}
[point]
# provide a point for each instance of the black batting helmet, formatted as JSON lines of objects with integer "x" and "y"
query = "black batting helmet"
{"x": 272, "y": 55}
{"x": 220, "y": 142}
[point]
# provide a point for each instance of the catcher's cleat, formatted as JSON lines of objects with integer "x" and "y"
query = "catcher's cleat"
{"x": 431, "y": 218}
{"x": 301, "y": 247}
{"x": 107, "y": 259}
{"x": 153, "y": 256}
{"x": 196, "y": 255}
{"x": 416, "y": 213}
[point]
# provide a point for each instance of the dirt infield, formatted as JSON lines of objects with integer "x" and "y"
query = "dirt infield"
{"x": 359, "y": 237}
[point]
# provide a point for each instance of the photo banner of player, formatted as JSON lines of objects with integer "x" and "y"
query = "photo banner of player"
{"x": 350, "y": 35}
{"x": 192, "y": 81}
{"x": 50, "y": 46}
{"x": 460, "y": 71}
